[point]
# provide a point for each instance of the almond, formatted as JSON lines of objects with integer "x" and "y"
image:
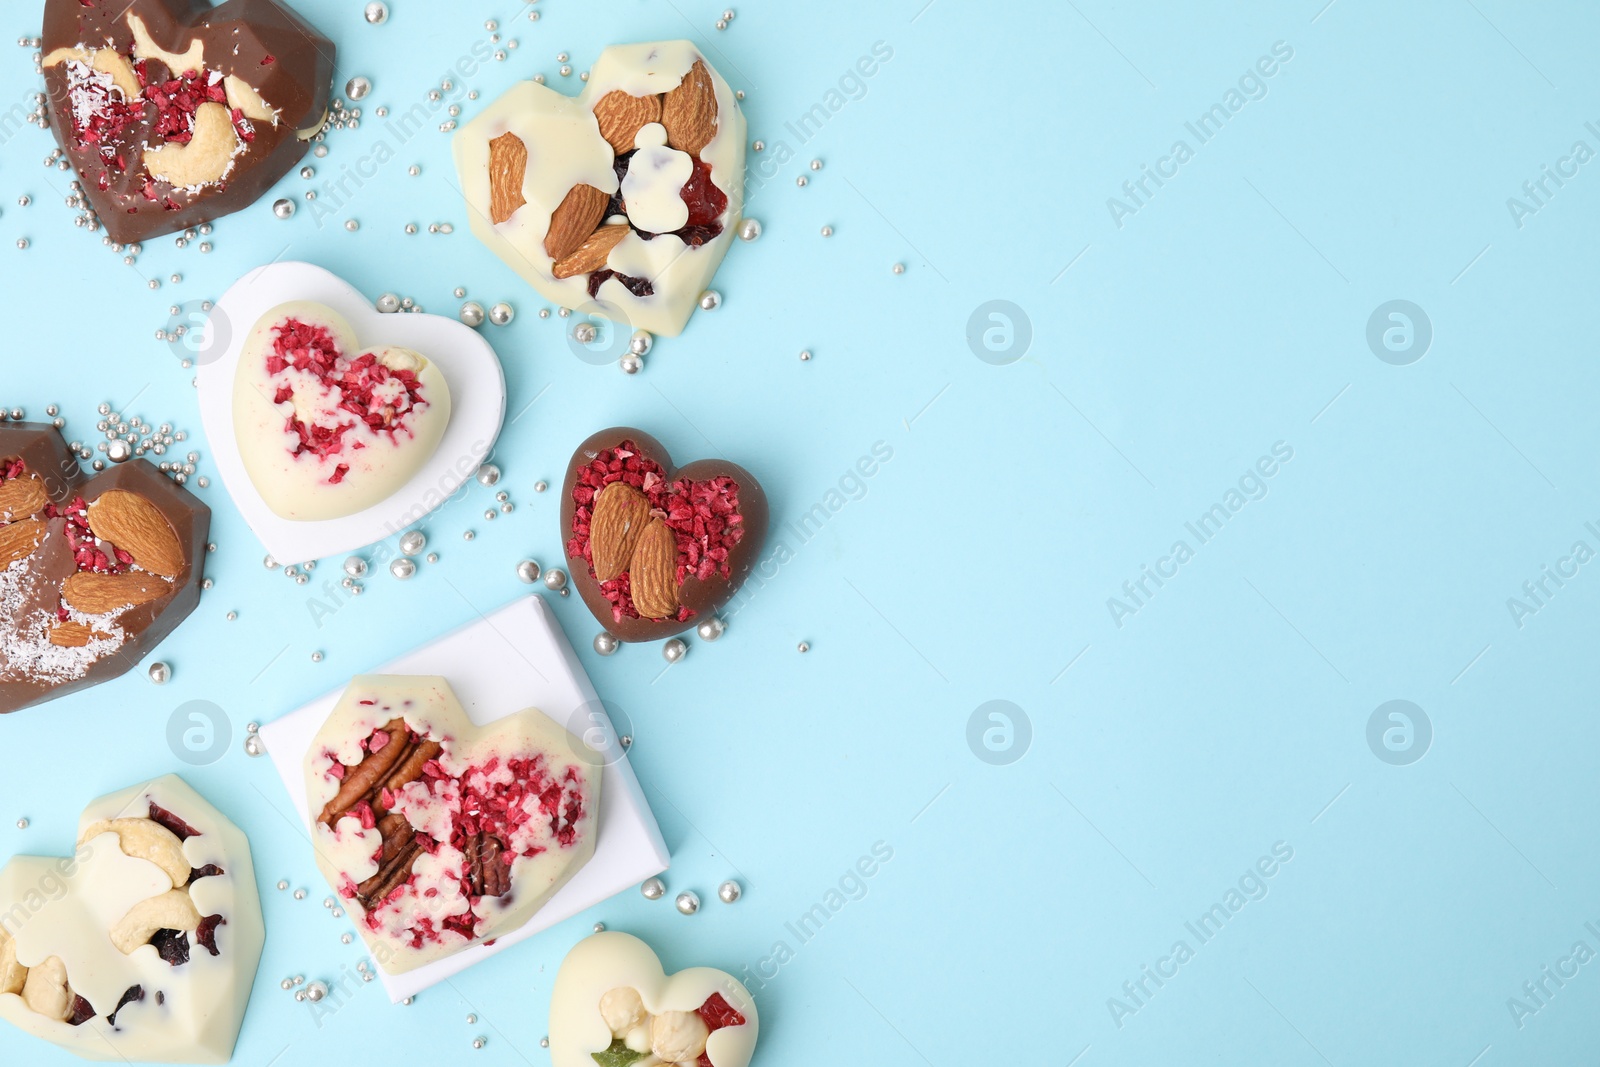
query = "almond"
{"x": 689, "y": 112}
{"x": 591, "y": 255}
{"x": 18, "y": 540}
{"x": 101, "y": 594}
{"x": 508, "y": 164}
{"x": 573, "y": 222}
{"x": 620, "y": 514}
{"x": 652, "y": 573}
{"x": 137, "y": 526}
{"x": 21, "y": 497}
{"x": 73, "y": 634}
{"x": 621, "y": 115}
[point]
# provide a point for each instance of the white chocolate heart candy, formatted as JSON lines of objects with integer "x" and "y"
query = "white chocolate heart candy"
{"x": 143, "y": 944}
{"x": 540, "y": 172}
{"x": 437, "y": 833}
{"x": 327, "y": 428}
{"x": 614, "y": 1006}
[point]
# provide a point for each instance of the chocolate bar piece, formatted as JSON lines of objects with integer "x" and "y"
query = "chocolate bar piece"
{"x": 142, "y": 944}
{"x": 655, "y": 548}
{"x": 175, "y": 112}
{"x": 94, "y": 571}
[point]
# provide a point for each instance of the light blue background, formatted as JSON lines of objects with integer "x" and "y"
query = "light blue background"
{"x": 1168, "y": 754}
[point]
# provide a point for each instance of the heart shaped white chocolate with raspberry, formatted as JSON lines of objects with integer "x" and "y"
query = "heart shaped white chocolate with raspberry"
{"x": 614, "y": 1006}
{"x": 143, "y": 944}
{"x": 327, "y": 427}
{"x": 437, "y": 833}
{"x": 425, "y": 421}
{"x": 621, "y": 201}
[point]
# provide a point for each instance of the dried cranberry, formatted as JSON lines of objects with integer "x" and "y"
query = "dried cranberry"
{"x": 180, "y": 829}
{"x": 206, "y": 932}
{"x": 172, "y": 946}
{"x": 133, "y": 994}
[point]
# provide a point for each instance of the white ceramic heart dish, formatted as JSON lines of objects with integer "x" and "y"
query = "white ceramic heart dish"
{"x": 468, "y": 363}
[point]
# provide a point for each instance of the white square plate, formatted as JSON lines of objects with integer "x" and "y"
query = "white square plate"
{"x": 534, "y": 667}
{"x": 469, "y": 364}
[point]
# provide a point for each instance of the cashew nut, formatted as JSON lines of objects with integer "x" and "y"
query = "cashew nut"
{"x": 242, "y": 95}
{"x": 46, "y": 989}
{"x": 12, "y": 973}
{"x": 622, "y": 1009}
{"x": 146, "y": 840}
{"x": 172, "y": 910}
{"x": 207, "y": 156}
{"x": 678, "y": 1036}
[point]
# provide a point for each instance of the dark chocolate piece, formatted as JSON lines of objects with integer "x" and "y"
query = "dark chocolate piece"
{"x": 702, "y": 589}
{"x": 33, "y": 668}
{"x": 110, "y": 137}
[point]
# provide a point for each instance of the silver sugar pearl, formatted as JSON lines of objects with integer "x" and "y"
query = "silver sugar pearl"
{"x": 488, "y": 474}
{"x": 899, "y": 268}
{"x": 729, "y": 891}
{"x": 316, "y": 991}
{"x": 358, "y": 87}
{"x": 22, "y": 824}
{"x": 803, "y": 646}
{"x": 283, "y": 208}
{"x": 412, "y": 542}
{"x": 606, "y": 643}
{"x": 316, "y": 657}
{"x": 402, "y": 568}
{"x": 653, "y": 889}
{"x": 816, "y": 164}
{"x": 377, "y": 12}
{"x": 540, "y": 486}
{"x": 119, "y": 451}
{"x": 502, "y": 314}
{"x": 388, "y": 303}
{"x": 688, "y": 902}
{"x": 631, "y": 364}
{"x": 355, "y": 567}
{"x": 528, "y": 571}
{"x": 555, "y": 578}
{"x": 710, "y": 300}
{"x": 711, "y": 628}
{"x": 584, "y": 333}
{"x": 641, "y": 342}
{"x": 160, "y": 673}
{"x": 472, "y": 313}
{"x": 749, "y": 229}
{"x": 299, "y": 894}
{"x": 674, "y": 650}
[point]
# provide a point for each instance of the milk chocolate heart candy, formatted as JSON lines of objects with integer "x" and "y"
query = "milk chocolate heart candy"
{"x": 622, "y": 200}
{"x": 325, "y": 427}
{"x": 94, "y": 572}
{"x": 143, "y": 944}
{"x": 614, "y": 1006}
{"x": 175, "y": 112}
{"x": 437, "y": 833}
{"x": 654, "y": 548}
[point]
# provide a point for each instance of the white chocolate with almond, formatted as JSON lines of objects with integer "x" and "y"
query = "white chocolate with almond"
{"x": 566, "y": 146}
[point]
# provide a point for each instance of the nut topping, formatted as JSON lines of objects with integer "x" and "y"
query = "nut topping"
{"x": 689, "y": 112}
{"x": 573, "y": 222}
{"x": 621, "y": 115}
{"x": 508, "y": 164}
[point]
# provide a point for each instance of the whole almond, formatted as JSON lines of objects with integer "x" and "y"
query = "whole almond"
{"x": 653, "y": 572}
{"x": 508, "y": 163}
{"x": 73, "y": 634}
{"x": 689, "y": 112}
{"x": 137, "y": 526}
{"x": 620, "y": 514}
{"x": 21, "y": 497}
{"x": 591, "y": 255}
{"x": 19, "y": 539}
{"x": 621, "y": 115}
{"x": 574, "y": 221}
{"x": 100, "y": 594}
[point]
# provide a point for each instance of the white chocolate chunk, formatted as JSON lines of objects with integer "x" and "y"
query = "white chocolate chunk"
{"x": 146, "y": 840}
{"x": 652, "y": 188}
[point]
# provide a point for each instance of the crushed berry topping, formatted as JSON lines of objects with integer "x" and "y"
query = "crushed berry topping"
{"x": 206, "y": 933}
{"x": 362, "y": 389}
{"x": 718, "y": 1013}
{"x": 172, "y": 946}
{"x": 133, "y": 994}
{"x": 177, "y": 99}
{"x": 88, "y": 552}
{"x": 180, "y": 829}
{"x": 704, "y": 518}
